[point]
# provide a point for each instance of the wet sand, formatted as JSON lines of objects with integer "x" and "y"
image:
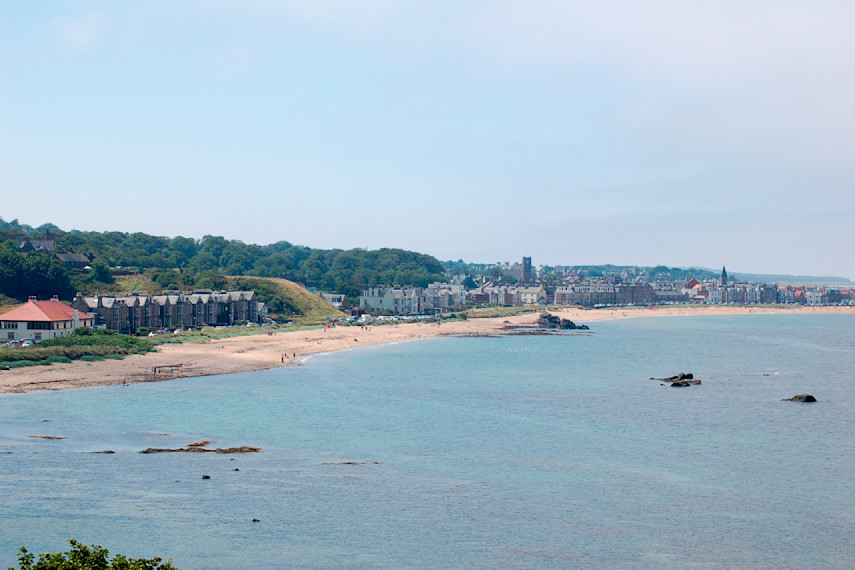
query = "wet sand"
{"x": 285, "y": 348}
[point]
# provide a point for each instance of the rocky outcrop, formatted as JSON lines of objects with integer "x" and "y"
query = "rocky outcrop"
{"x": 680, "y": 380}
{"x": 549, "y": 321}
{"x": 800, "y": 398}
{"x": 196, "y": 448}
{"x": 679, "y": 377}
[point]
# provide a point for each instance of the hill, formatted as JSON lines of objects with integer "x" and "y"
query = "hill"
{"x": 186, "y": 263}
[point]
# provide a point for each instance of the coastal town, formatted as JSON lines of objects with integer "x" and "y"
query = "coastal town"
{"x": 572, "y": 289}
{"x": 177, "y": 299}
{"x": 38, "y": 320}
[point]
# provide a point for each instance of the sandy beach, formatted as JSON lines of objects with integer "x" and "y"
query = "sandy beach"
{"x": 287, "y": 348}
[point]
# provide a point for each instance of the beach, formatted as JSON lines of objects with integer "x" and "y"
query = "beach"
{"x": 287, "y": 348}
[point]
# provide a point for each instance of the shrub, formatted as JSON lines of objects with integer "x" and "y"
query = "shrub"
{"x": 21, "y": 363}
{"x": 82, "y": 557}
{"x": 57, "y": 358}
{"x": 83, "y": 344}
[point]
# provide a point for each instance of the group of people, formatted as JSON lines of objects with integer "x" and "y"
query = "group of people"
{"x": 285, "y": 355}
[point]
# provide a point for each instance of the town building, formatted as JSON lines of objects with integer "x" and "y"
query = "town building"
{"x": 337, "y": 300}
{"x": 74, "y": 260}
{"x": 41, "y": 320}
{"x": 40, "y": 244}
{"x": 413, "y": 300}
{"x": 172, "y": 310}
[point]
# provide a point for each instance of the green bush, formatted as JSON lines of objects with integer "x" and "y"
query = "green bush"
{"x": 57, "y": 358}
{"x": 91, "y": 357}
{"x": 83, "y": 344}
{"x": 21, "y": 363}
{"x": 82, "y": 557}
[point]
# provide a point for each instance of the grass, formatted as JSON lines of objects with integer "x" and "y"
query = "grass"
{"x": 84, "y": 344}
{"x": 135, "y": 284}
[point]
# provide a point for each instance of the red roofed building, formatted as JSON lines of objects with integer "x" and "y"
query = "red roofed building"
{"x": 41, "y": 320}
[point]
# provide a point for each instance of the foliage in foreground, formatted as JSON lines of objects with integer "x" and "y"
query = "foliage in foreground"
{"x": 82, "y": 557}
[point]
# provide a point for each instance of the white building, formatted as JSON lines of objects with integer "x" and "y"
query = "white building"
{"x": 41, "y": 320}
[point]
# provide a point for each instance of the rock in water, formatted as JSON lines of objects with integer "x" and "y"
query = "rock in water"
{"x": 800, "y": 398}
{"x": 548, "y": 321}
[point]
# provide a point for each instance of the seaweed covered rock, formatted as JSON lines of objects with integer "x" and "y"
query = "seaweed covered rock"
{"x": 800, "y": 398}
{"x": 549, "y": 321}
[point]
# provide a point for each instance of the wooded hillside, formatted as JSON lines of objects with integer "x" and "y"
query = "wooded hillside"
{"x": 186, "y": 263}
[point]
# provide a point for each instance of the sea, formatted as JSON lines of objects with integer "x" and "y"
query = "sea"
{"x": 510, "y": 451}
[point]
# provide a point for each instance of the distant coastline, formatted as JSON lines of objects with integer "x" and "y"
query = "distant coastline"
{"x": 284, "y": 348}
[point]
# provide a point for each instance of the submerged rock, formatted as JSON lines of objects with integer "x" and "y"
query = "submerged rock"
{"x": 242, "y": 449}
{"x": 800, "y": 398}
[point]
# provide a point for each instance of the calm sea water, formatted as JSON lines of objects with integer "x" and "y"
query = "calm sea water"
{"x": 520, "y": 451}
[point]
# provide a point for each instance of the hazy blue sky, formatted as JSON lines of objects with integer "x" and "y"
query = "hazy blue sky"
{"x": 669, "y": 132}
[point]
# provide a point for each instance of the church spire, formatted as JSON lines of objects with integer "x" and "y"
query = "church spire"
{"x": 723, "y": 276}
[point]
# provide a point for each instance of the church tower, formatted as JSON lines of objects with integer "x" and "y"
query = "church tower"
{"x": 723, "y": 277}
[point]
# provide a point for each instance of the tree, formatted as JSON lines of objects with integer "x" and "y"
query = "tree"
{"x": 101, "y": 272}
{"x": 11, "y": 271}
{"x": 45, "y": 277}
{"x": 509, "y": 280}
{"x": 82, "y": 557}
{"x": 168, "y": 280}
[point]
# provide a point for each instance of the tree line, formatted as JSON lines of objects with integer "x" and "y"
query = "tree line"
{"x": 187, "y": 262}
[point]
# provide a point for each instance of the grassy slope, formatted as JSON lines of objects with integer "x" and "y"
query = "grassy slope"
{"x": 307, "y": 306}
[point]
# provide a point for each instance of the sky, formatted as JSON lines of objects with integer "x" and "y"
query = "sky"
{"x": 679, "y": 133}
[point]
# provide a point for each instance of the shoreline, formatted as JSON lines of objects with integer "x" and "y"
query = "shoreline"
{"x": 261, "y": 352}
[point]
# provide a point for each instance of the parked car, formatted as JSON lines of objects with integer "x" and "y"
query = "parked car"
{"x": 28, "y": 342}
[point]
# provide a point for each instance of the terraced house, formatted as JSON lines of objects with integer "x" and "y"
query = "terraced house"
{"x": 173, "y": 310}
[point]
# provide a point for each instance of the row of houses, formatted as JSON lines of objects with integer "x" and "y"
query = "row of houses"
{"x": 508, "y": 295}
{"x": 442, "y": 296}
{"x": 172, "y": 310}
{"x": 593, "y": 294}
{"x": 413, "y": 300}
